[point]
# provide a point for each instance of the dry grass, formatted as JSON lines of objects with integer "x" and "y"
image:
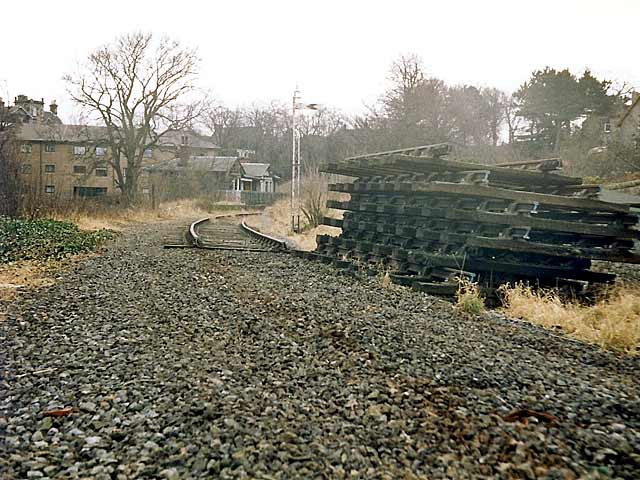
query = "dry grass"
{"x": 276, "y": 219}
{"x": 32, "y": 274}
{"x": 468, "y": 298}
{"x": 613, "y": 322}
{"x": 115, "y": 218}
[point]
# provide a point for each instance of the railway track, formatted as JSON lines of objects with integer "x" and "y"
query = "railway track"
{"x": 229, "y": 232}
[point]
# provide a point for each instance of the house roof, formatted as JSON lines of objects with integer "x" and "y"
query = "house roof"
{"x": 256, "y": 170}
{"x": 38, "y": 132}
{"x": 54, "y": 132}
{"x": 199, "y": 163}
{"x": 47, "y": 117}
{"x": 173, "y": 138}
{"x": 633, "y": 105}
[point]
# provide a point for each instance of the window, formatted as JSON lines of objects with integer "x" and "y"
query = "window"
{"x": 89, "y": 191}
{"x": 148, "y": 153}
{"x": 101, "y": 151}
{"x": 25, "y": 148}
{"x": 50, "y": 147}
{"x": 607, "y": 127}
{"x": 79, "y": 150}
{"x": 50, "y": 189}
{"x": 101, "y": 172}
{"x": 25, "y": 168}
{"x": 79, "y": 169}
{"x": 49, "y": 168}
{"x": 184, "y": 140}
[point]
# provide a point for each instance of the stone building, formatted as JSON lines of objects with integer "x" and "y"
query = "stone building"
{"x": 627, "y": 126}
{"x": 215, "y": 173}
{"x": 27, "y": 110}
{"x": 622, "y": 126}
{"x": 63, "y": 161}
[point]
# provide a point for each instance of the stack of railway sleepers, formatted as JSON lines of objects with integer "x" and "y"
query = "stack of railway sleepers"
{"x": 429, "y": 220}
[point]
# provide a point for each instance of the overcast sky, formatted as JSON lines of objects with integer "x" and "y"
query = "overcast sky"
{"x": 337, "y": 51}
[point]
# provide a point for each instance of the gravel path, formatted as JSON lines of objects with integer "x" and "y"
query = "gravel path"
{"x": 184, "y": 364}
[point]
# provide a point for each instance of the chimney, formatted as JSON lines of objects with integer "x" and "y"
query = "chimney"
{"x": 184, "y": 153}
{"x": 53, "y": 108}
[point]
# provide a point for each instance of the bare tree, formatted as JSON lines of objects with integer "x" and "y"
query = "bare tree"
{"x": 511, "y": 117}
{"x": 222, "y": 122}
{"x": 139, "y": 89}
{"x": 406, "y": 75}
{"x": 10, "y": 185}
{"x": 495, "y": 101}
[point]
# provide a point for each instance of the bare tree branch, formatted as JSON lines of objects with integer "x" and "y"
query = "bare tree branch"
{"x": 140, "y": 89}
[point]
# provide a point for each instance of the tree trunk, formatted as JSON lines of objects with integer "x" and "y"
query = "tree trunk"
{"x": 130, "y": 187}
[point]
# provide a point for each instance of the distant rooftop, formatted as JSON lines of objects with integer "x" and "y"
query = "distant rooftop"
{"x": 175, "y": 138}
{"x": 199, "y": 163}
{"x": 37, "y": 132}
{"x": 256, "y": 170}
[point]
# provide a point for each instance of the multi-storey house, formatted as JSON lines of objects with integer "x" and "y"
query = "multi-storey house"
{"x": 61, "y": 160}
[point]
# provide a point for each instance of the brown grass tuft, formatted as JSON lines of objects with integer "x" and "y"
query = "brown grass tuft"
{"x": 613, "y": 322}
{"x": 468, "y": 298}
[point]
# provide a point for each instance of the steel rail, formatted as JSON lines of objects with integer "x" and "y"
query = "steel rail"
{"x": 195, "y": 239}
{"x": 263, "y": 236}
{"x": 192, "y": 234}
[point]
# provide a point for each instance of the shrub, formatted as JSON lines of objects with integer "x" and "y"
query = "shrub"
{"x": 42, "y": 239}
{"x": 314, "y": 198}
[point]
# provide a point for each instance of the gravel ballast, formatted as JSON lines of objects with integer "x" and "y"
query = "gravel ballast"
{"x": 212, "y": 364}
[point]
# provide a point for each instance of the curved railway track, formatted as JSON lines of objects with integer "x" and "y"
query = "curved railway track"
{"x": 229, "y": 232}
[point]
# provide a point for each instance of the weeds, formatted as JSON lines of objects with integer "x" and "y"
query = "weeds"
{"x": 468, "y": 298}
{"x": 276, "y": 219}
{"x": 613, "y": 322}
{"x": 42, "y": 239}
{"x": 96, "y": 216}
{"x": 386, "y": 280}
{"x": 209, "y": 205}
{"x": 314, "y": 198}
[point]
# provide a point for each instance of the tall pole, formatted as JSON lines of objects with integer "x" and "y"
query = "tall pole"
{"x": 295, "y": 167}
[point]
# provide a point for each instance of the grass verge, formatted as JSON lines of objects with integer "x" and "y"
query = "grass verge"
{"x": 613, "y": 322}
